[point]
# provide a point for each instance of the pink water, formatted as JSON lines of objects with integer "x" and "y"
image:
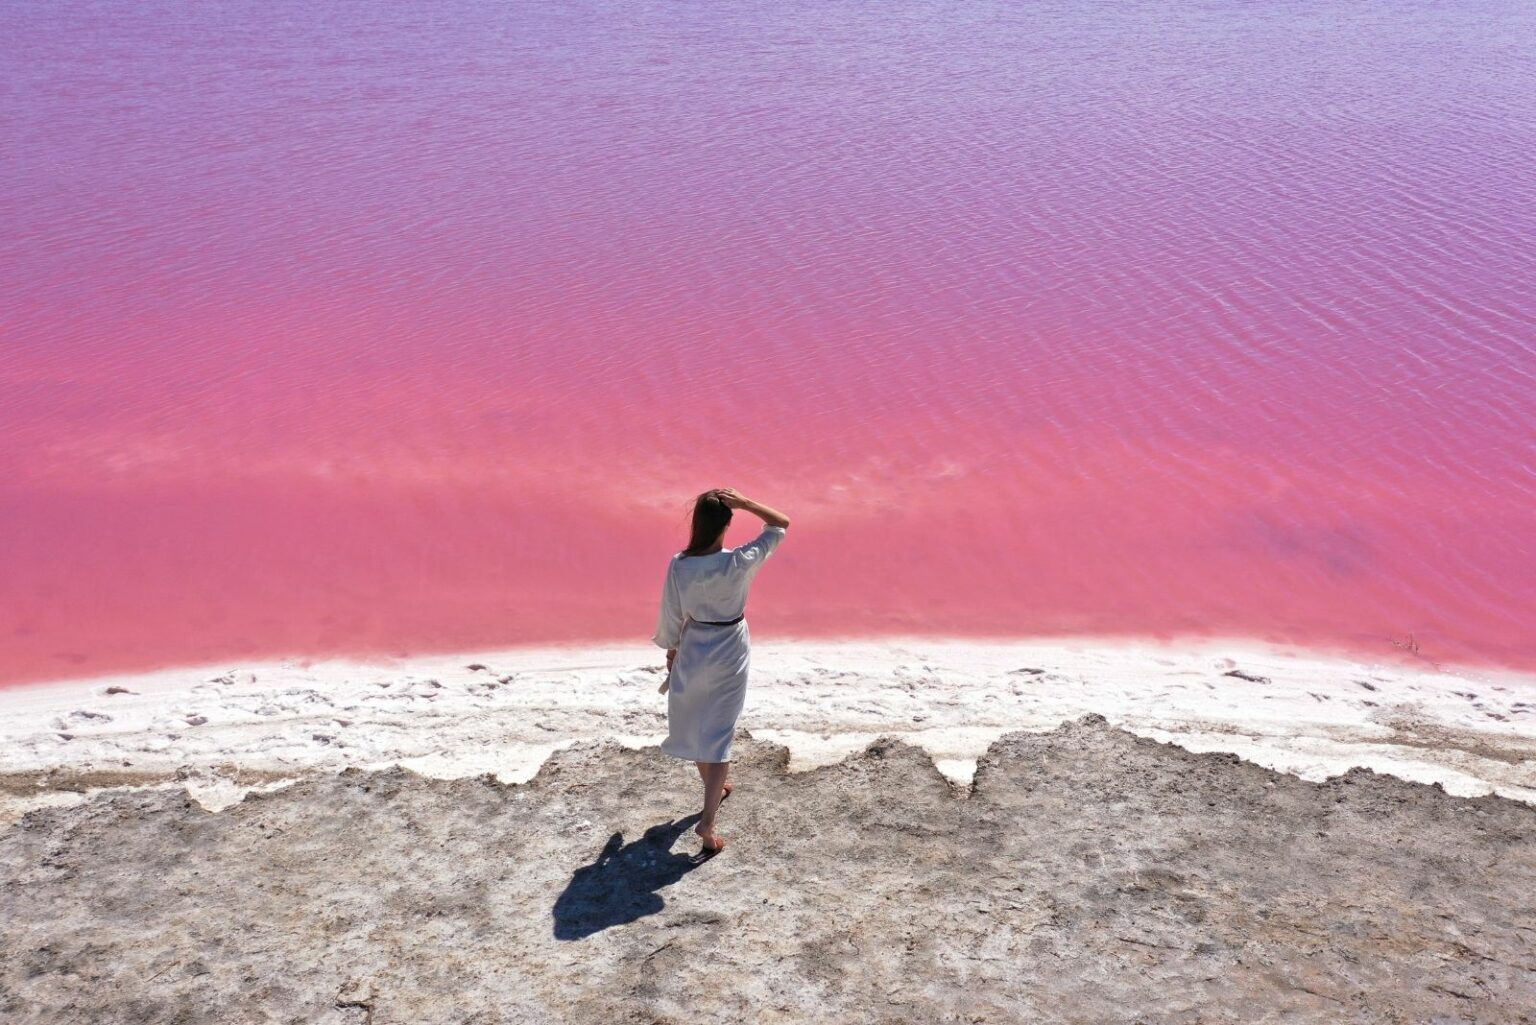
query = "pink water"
{"x": 332, "y": 331}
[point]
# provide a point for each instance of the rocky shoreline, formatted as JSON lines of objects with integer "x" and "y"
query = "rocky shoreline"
{"x": 1086, "y": 875}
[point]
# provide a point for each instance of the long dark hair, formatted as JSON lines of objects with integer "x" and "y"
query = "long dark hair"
{"x": 710, "y": 517}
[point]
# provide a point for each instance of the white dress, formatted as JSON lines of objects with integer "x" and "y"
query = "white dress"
{"x": 709, "y": 675}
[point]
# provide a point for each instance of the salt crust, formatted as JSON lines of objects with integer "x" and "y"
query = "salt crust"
{"x": 223, "y": 731}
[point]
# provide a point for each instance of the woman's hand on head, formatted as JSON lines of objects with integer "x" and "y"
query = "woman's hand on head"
{"x": 731, "y": 497}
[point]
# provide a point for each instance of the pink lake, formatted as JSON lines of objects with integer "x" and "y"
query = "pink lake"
{"x": 376, "y": 331}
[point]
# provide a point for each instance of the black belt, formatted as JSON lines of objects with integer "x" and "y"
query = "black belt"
{"x": 723, "y": 622}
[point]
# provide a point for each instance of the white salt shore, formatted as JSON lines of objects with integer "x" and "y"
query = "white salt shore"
{"x": 222, "y": 731}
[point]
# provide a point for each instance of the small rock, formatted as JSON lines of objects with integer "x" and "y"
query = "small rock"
{"x": 358, "y": 994}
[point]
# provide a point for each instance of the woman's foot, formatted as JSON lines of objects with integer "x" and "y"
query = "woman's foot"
{"x": 713, "y": 842}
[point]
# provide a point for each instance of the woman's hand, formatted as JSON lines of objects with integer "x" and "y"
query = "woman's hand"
{"x": 667, "y": 683}
{"x": 731, "y": 497}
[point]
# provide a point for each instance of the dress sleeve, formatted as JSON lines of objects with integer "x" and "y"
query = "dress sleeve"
{"x": 669, "y": 626}
{"x": 752, "y": 555}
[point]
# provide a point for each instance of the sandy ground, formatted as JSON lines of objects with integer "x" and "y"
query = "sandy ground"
{"x": 1087, "y": 875}
{"x": 916, "y": 837}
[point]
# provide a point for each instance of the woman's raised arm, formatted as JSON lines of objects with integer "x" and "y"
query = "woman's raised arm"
{"x": 768, "y": 514}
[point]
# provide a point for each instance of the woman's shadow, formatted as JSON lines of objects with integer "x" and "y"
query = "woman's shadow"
{"x": 620, "y": 886}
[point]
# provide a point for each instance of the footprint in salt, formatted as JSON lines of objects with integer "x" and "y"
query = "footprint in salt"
{"x": 77, "y": 719}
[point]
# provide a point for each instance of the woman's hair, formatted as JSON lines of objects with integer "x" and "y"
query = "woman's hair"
{"x": 710, "y": 516}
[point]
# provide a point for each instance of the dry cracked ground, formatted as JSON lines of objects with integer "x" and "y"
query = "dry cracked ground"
{"x": 1087, "y": 876}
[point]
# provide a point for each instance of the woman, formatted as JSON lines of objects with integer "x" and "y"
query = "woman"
{"x": 708, "y": 646}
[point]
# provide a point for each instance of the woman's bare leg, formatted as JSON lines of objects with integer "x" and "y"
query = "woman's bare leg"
{"x": 728, "y": 786}
{"x": 713, "y": 774}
